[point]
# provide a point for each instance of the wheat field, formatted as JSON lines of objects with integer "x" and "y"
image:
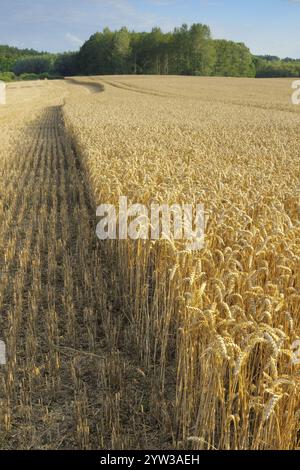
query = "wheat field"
{"x": 143, "y": 344}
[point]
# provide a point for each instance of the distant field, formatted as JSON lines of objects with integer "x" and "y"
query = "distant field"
{"x": 142, "y": 344}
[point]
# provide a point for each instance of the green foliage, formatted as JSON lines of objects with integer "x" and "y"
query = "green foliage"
{"x": 10, "y": 55}
{"x": 7, "y": 76}
{"x": 6, "y": 64}
{"x": 233, "y": 60}
{"x": 193, "y": 51}
{"x": 275, "y": 67}
{"x": 34, "y": 64}
{"x": 9, "y": 51}
{"x": 29, "y": 76}
{"x": 184, "y": 51}
{"x": 66, "y": 65}
{"x": 49, "y": 76}
{"x": 121, "y": 50}
{"x": 40, "y": 76}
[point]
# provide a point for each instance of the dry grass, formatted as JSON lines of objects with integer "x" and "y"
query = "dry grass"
{"x": 177, "y": 349}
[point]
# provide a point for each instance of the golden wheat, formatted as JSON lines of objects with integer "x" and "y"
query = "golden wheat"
{"x": 130, "y": 344}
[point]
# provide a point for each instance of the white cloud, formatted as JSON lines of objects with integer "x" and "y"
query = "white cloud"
{"x": 74, "y": 40}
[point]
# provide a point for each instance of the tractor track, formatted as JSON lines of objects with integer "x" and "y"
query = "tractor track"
{"x": 67, "y": 382}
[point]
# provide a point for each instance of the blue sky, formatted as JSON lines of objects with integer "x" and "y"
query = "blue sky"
{"x": 266, "y": 26}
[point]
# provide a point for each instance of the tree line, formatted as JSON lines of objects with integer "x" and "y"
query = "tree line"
{"x": 273, "y": 66}
{"x": 28, "y": 64}
{"x": 184, "y": 51}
